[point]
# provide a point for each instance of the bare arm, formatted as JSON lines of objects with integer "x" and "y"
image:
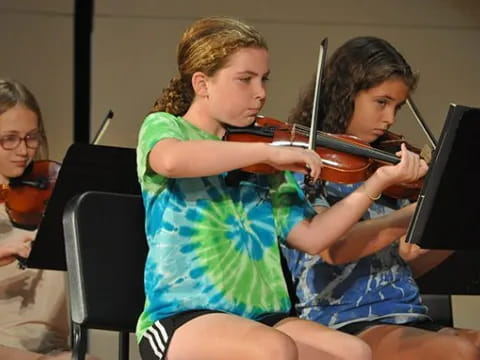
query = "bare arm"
{"x": 324, "y": 229}
{"x": 421, "y": 260}
{"x": 369, "y": 236}
{"x": 328, "y": 227}
{"x": 174, "y": 158}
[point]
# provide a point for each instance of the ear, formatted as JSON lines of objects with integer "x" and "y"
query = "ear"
{"x": 200, "y": 84}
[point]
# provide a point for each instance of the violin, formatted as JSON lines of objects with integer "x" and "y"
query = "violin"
{"x": 346, "y": 159}
{"x": 391, "y": 142}
{"x": 26, "y": 196}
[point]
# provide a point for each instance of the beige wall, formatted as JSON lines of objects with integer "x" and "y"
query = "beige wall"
{"x": 134, "y": 57}
{"x": 133, "y": 54}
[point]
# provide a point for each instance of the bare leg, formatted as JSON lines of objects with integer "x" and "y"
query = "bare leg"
{"x": 471, "y": 335}
{"x": 222, "y": 336}
{"x": 315, "y": 341}
{"x": 402, "y": 342}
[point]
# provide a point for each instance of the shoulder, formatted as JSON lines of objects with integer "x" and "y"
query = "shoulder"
{"x": 159, "y": 119}
{"x": 157, "y": 126}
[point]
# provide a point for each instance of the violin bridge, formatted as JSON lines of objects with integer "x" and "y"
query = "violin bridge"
{"x": 292, "y": 133}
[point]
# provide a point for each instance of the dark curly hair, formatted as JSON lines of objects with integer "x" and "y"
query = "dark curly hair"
{"x": 359, "y": 64}
{"x": 206, "y": 47}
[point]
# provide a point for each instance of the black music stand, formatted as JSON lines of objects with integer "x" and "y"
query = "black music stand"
{"x": 85, "y": 167}
{"x": 448, "y": 211}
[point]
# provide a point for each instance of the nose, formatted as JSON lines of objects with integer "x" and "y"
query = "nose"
{"x": 390, "y": 116}
{"x": 261, "y": 92}
{"x": 22, "y": 147}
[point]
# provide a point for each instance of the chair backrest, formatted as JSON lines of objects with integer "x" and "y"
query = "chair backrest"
{"x": 105, "y": 251}
{"x": 439, "y": 308}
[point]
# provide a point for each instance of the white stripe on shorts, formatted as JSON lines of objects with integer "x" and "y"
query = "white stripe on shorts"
{"x": 162, "y": 330}
{"x": 153, "y": 345}
{"x": 158, "y": 338}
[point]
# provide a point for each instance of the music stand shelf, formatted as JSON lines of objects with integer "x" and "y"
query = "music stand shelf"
{"x": 85, "y": 167}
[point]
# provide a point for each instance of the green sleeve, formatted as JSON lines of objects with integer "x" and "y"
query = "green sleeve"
{"x": 156, "y": 126}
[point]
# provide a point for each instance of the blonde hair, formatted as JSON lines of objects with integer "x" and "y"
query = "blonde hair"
{"x": 205, "y": 47}
{"x": 13, "y": 93}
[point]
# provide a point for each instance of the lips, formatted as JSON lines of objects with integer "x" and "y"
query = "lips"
{"x": 21, "y": 164}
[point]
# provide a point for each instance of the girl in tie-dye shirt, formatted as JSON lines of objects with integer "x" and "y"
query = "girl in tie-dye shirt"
{"x": 213, "y": 279}
{"x": 363, "y": 284}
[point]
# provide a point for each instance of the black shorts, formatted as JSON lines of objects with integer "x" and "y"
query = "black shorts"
{"x": 156, "y": 339}
{"x": 359, "y": 326}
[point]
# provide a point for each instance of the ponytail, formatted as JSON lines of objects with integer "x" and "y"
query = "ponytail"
{"x": 175, "y": 99}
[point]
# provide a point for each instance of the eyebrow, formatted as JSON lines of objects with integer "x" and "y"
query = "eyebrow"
{"x": 253, "y": 73}
{"x": 390, "y": 98}
{"x": 10, "y": 132}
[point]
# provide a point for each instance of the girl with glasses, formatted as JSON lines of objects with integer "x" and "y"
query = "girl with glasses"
{"x": 34, "y": 322}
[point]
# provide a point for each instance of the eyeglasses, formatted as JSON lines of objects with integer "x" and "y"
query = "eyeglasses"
{"x": 12, "y": 141}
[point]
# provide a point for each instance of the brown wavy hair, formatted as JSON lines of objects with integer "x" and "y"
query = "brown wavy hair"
{"x": 14, "y": 93}
{"x": 205, "y": 47}
{"x": 359, "y": 64}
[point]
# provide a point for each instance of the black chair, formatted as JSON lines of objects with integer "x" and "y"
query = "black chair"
{"x": 439, "y": 308}
{"x": 105, "y": 251}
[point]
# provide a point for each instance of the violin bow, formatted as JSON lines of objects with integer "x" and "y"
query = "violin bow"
{"x": 309, "y": 188}
{"x": 314, "y": 123}
{"x": 103, "y": 127}
{"x": 421, "y": 122}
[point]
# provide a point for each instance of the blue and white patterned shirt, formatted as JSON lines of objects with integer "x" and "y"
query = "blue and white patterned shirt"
{"x": 379, "y": 286}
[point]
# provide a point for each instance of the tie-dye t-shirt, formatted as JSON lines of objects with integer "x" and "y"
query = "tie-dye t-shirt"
{"x": 379, "y": 286}
{"x": 212, "y": 245}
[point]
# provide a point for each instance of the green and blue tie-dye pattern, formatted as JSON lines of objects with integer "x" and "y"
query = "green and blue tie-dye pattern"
{"x": 286, "y": 195}
{"x": 211, "y": 246}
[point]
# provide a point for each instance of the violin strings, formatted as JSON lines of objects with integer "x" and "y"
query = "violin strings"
{"x": 305, "y": 130}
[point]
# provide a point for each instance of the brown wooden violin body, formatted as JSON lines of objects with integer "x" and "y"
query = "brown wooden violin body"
{"x": 337, "y": 166}
{"x": 346, "y": 159}
{"x": 26, "y": 196}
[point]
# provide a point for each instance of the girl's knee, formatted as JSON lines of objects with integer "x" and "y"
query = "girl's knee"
{"x": 362, "y": 350}
{"x": 277, "y": 346}
{"x": 454, "y": 347}
{"x": 356, "y": 348}
{"x": 466, "y": 349}
{"x": 476, "y": 340}
{"x": 347, "y": 347}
